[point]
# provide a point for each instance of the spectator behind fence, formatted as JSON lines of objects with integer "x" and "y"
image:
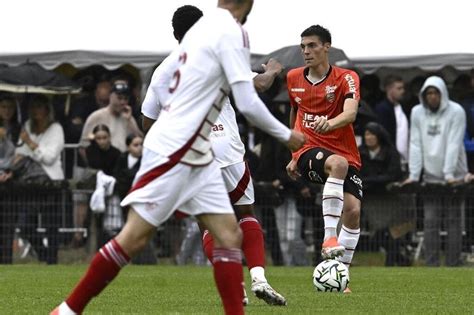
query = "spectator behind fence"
{"x": 7, "y": 151}
{"x": 100, "y": 155}
{"x": 380, "y": 159}
{"x": 117, "y": 116}
{"x": 10, "y": 117}
{"x": 9, "y": 132}
{"x": 126, "y": 167}
{"x": 436, "y": 150}
{"x": 42, "y": 140}
{"x": 128, "y": 164}
{"x": 389, "y": 215}
{"x": 392, "y": 116}
{"x": 82, "y": 107}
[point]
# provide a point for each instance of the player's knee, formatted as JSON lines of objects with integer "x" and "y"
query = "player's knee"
{"x": 132, "y": 244}
{"x": 352, "y": 216}
{"x": 337, "y": 166}
{"x": 230, "y": 238}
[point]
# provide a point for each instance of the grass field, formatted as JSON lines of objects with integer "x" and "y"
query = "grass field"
{"x": 36, "y": 289}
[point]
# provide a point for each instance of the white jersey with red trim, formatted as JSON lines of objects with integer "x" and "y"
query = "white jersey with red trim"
{"x": 225, "y": 138}
{"x": 157, "y": 92}
{"x": 213, "y": 55}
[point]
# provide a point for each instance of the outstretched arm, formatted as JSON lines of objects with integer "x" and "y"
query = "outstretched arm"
{"x": 248, "y": 103}
{"x": 264, "y": 81}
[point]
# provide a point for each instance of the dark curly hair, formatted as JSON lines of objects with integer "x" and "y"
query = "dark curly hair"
{"x": 183, "y": 18}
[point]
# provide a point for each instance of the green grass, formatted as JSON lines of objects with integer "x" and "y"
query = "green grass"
{"x": 36, "y": 289}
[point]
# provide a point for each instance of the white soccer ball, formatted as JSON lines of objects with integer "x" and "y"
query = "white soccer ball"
{"x": 331, "y": 276}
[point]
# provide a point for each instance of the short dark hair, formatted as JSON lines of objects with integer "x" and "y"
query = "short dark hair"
{"x": 183, "y": 19}
{"x": 391, "y": 79}
{"x": 317, "y": 30}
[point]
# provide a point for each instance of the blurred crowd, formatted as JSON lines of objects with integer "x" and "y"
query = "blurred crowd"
{"x": 416, "y": 141}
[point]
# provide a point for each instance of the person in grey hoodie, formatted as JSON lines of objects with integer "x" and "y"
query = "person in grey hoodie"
{"x": 437, "y": 150}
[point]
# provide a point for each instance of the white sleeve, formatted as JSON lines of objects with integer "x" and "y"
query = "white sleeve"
{"x": 157, "y": 93}
{"x": 151, "y": 106}
{"x": 250, "y": 105}
{"x": 50, "y": 145}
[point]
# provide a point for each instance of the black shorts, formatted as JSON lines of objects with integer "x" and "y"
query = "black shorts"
{"x": 311, "y": 167}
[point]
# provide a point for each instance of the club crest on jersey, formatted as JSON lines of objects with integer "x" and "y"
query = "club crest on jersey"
{"x": 297, "y": 100}
{"x": 331, "y": 93}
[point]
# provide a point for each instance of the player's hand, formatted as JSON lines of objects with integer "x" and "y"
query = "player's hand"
{"x": 127, "y": 112}
{"x": 273, "y": 66}
{"x": 406, "y": 182}
{"x": 321, "y": 124}
{"x": 469, "y": 178}
{"x": 297, "y": 139}
{"x": 24, "y": 136}
{"x": 292, "y": 170}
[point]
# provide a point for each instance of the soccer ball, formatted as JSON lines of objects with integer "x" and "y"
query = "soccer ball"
{"x": 330, "y": 276}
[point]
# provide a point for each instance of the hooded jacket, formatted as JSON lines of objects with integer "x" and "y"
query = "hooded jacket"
{"x": 384, "y": 167}
{"x": 436, "y": 138}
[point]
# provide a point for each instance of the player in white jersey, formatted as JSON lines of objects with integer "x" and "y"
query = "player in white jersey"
{"x": 229, "y": 152}
{"x": 177, "y": 170}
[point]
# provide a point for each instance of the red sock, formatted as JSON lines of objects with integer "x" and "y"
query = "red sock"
{"x": 253, "y": 244}
{"x": 208, "y": 244}
{"x": 105, "y": 265}
{"x": 229, "y": 279}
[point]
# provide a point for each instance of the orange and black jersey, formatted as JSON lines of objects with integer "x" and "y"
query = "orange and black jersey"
{"x": 324, "y": 98}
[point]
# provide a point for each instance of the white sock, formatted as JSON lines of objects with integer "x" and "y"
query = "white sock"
{"x": 258, "y": 274}
{"x": 64, "y": 309}
{"x": 333, "y": 201}
{"x": 349, "y": 239}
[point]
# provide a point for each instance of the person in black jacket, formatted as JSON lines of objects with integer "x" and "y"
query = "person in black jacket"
{"x": 128, "y": 164}
{"x": 393, "y": 116}
{"x": 101, "y": 154}
{"x": 380, "y": 159}
{"x": 384, "y": 210}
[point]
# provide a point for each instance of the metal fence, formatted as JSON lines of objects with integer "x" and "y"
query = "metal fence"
{"x": 429, "y": 224}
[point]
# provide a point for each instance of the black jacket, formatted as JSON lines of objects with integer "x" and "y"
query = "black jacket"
{"x": 102, "y": 160}
{"x": 386, "y": 117}
{"x": 124, "y": 175}
{"x": 385, "y": 167}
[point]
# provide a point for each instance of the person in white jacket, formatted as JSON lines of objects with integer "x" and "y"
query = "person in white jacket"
{"x": 437, "y": 151}
{"x": 42, "y": 138}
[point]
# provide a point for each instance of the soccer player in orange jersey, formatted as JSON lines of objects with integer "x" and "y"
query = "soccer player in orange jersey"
{"x": 324, "y": 101}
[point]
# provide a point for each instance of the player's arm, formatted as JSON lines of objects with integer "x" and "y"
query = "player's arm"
{"x": 147, "y": 123}
{"x": 250, "y": 105}
{"x": 348, "y": 116}
{"x": 293, "y": 113}
{"x": 264, "y": 81}
{"x": 151, "y": 105}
